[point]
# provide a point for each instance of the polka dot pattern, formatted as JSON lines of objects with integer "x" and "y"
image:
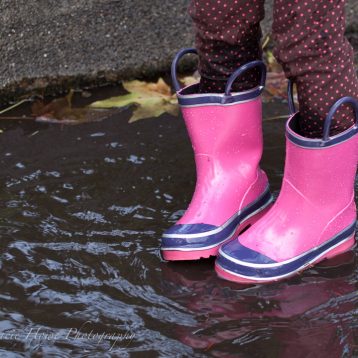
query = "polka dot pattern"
{"x": 312, "y": 48}
{"x": 228, "y": 35}
{"x": 310, "y": 45}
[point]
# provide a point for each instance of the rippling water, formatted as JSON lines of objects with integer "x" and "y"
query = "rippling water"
{"x": 83, "y": 208}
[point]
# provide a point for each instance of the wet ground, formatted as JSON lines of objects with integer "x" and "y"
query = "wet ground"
{"x": 83, "y": 208}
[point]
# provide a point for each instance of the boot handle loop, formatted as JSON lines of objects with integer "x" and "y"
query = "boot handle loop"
{"x": 176, "y": 59}
{"x": 291, "y": 102}
{"x": 243, "y": 69}
{"x": 328, "y": 121}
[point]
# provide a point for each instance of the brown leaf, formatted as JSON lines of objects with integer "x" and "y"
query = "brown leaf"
{"x": 276, "y": 85}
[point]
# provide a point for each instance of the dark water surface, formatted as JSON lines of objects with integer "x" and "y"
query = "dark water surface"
{"x": 83, "y": 208}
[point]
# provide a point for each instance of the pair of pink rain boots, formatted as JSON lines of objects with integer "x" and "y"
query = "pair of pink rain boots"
{"x": 314, "y": 217}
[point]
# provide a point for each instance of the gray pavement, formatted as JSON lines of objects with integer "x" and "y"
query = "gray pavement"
{"x": 56, "y": 44}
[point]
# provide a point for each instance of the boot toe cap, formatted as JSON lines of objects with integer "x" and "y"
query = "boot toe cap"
{"x": 234, "y": 251}
{"x": 187, "y": 235}
{"x": 188, "y": 229}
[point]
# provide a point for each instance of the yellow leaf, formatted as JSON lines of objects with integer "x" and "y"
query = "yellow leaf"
{"x": 153, "y": 109}
{"x": 272, "y": 64}
{"x": 189, "y": 80}
{"x": 148, "y": 88}
{"x": 152, "y": 99}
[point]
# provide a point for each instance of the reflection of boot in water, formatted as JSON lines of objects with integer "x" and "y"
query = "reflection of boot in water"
{"x": 302, "y": 318}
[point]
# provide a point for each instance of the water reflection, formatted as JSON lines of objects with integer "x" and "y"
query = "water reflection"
{"x": 83, "y": 208}
{"x": 307, "y": 316}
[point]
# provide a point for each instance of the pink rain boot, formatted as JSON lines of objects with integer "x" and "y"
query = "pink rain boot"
{"x": 231, "y": 190}
{"x": 314, "y": 217}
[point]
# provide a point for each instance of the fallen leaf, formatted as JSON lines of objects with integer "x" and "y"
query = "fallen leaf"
{"x": 266, "y": 40}
{"x": 272, "y": 64}
{"x": 190, "y": 80}
{"x": 276, "y": 85}
{"x": 151, "y": 99}
{"x": 15, "y": 105}
{"x": 59, "y": 109}
{"x": 91, "y": 115}
{"x": 154, "y": 109}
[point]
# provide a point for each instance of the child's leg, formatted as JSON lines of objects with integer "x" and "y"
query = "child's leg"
{"x": 227, "y": 36}
{"x": 315, "y": 54}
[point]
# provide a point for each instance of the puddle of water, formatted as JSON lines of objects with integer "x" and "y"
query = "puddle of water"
{"x": 83, "y": 208}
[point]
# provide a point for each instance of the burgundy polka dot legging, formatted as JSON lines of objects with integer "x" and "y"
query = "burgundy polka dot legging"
{"x": 310, "y": 46}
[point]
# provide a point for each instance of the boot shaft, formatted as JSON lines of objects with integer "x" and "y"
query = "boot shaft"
{"x": 225, "y": 127}
{"x": 229, "y": 133}
{"x": 323, "y": 170}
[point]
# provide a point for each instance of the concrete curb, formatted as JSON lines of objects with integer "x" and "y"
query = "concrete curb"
{"x": 57, "y": 44}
